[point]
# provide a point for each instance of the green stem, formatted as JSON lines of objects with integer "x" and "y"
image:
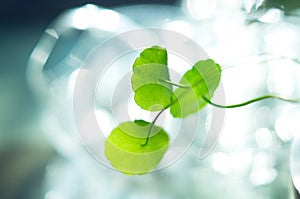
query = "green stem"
{"x": 214, "y": 104}
{"x": 151, "y": 127}
{"x": 250, "y": 101}
{"x": 175, "y": 84}
{"x": 240, "y": 104}
{"x": 157, "y": 116}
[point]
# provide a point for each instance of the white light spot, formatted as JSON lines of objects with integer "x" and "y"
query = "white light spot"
{"x": 263, "y": 137}
{"x": 82, "y": 17}
{"x": 220, "y": 162}
{"x": 180, "y": 27}
{"x": 106, "y": 20}
{"x": 263, "y": 176}
{"x": 282, "y": 129}
{"x": 90, "y": 16}
{"x": 263, "y": 169}
{"x": 203, "y": 9}
{"x": 272, "y": 16}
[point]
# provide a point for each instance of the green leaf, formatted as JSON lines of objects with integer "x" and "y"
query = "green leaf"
{"x": 148, "y": 70}
{"x": 123, "y": 147}
{"x": 203, "y": 79}
{"x": 155, "y": 54}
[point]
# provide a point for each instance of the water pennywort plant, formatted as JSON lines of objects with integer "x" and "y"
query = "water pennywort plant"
{"x": 137, "y": 147}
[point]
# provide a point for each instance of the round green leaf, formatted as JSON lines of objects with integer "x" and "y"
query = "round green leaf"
{"x": 123, "y": 147}
{"x": 203, "y": 79}
{"x": 155, "y": 54}
{"x": 151, "y": 93}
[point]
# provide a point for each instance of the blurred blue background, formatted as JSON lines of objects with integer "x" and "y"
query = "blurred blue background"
{"x": 24, "y": 150}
